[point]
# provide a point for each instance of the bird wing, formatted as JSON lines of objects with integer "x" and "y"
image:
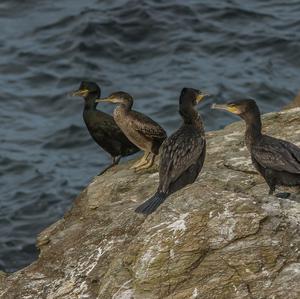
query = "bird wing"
{"x": 181, "y": 150}
{"x": 277, "y": 154}
{"x": 146, "y": 126}
{"x": 105, "y": 123}
{"x": 105, "y": 131}
{"x": 114, "y": 133}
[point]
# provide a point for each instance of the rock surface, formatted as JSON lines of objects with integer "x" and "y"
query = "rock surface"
{"x": 294, "y": 103}
{"x": 222, "y": 237}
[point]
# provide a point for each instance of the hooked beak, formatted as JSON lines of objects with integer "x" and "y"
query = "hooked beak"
{"x": 219, "y": 106}
{"x": 109, "y": 100}
{"x": 226, "y": 107}
{"x": 201, "y": 96}
{"x": 80, "y": 93}
{"x": 103, "y": 100}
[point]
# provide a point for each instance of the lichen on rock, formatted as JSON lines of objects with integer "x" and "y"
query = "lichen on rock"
{"x": 221, "y": 237}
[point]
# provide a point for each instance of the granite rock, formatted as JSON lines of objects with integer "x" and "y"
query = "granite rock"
{"x": 221, "y": 237}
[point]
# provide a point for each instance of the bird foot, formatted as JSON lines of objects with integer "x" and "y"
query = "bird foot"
{"x": 283, "y": 195}
{"x": 146, "y": 165}
{"x": 140, "y": 162}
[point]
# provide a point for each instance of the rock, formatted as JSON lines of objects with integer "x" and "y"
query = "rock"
{"x": 222, "y": 237}
{"x": 3, "y": 275}
{"x": 295, "y": 103}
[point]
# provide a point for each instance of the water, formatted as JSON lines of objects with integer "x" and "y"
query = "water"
{"x": 148, "y": 48}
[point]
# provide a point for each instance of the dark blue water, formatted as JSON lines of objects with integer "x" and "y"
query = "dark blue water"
{"x": 150, "y": 49}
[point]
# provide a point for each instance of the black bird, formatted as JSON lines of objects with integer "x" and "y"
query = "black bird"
{"x": 277, "y": 160}
{"x": 182, "y": 154}
{"x": 102, "y": 126}
{"x": 140, "y": 129}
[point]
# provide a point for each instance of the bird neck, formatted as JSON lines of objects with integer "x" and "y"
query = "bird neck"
{"x": 89, "y": 101}
{"x": 253, "y": 127}
{"x": 120, "y": 112}
{"x": 191, "y": 117}
{"x": 126, "y": 105}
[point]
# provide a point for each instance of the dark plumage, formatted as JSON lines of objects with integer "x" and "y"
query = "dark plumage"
{"x": 102, "y": 126}
{"x": 278, "y": 161}
{"x": 140, "y": 129}
{"x": 182, "y": 154}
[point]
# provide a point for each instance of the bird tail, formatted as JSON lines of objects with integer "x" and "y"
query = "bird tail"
{"x": 150, "y": 205}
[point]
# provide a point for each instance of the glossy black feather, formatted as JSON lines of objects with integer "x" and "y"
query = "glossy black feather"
{"x": 276, "y": 154}
{"x": 107, "y": 134}
{"x": 102, "y": 126}
{"x": 150, "y": 205}
{"x": 180, "y": 157}
{"x": 277, "y": 160}
{"x": 182, "y": 154}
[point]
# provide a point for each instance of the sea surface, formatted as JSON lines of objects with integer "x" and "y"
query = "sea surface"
{"x": 150, "y": 48}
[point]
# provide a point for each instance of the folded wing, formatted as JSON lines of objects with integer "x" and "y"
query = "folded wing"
{"x": 180, "y": 151}
{"x": 277, "y": 154}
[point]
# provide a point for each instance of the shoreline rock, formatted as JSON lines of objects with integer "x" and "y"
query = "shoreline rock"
{"x": 294, "y": 103}
{"x": 222, "y": 237}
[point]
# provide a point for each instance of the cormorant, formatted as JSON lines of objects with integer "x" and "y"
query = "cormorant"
{"x": 277, "y": 160}
{"x": 140, "y": 129}
{"x": 102, "y": 126}
{"x": 182, "y": 153}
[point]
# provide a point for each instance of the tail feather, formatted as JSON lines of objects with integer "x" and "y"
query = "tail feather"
{"x": 150, "y": 205}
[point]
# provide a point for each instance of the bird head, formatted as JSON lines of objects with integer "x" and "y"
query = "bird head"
{"x": 87, "y": 88}
{"x": 240, "y": 107}
{"x": 118, "y": 97}
{"x": 191, "y": 96}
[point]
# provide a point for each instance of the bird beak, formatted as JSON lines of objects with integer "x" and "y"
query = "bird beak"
{"x": 226, "y": 107}
{"x": 219, "y": 106}
{"x": 109, "y": 99}
{"x": 201, "y": 96}
{"x": 80, "y": 93}
{"x": 103, "y": 100}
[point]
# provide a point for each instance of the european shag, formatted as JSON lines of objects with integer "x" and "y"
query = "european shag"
{"x": 140, "y": 129}
{"x": 102, "y": 126}
{"x": 278, "y": 161}
{"x": 182, "y": 154}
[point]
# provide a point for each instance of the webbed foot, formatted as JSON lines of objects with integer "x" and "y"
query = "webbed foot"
{"x": 146, "y": 165}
